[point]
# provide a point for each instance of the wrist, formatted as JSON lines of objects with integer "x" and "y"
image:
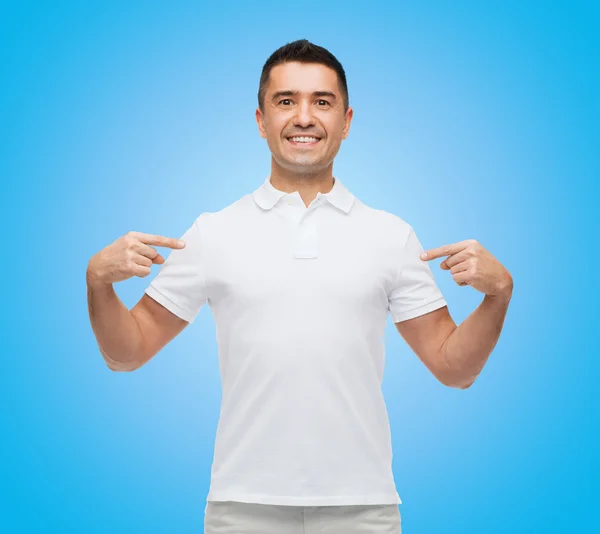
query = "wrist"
{"x": 93, "y": 280}
{"x": 504, "y": 289}
{"x": 502, "y": 296}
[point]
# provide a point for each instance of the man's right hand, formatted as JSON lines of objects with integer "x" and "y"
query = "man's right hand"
{"x": 130, "y": 255}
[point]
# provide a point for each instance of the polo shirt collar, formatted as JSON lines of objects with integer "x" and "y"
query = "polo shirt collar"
{"x": 266, "y": 196}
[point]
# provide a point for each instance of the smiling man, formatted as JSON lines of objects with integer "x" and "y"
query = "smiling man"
{"x": 300, "y": 276}
{"x": 304, "y": 115}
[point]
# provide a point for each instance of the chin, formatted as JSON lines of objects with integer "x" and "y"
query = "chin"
{"x": 300, "y": 167}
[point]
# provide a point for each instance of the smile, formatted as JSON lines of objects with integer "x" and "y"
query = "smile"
{"x": 303, "y": 141}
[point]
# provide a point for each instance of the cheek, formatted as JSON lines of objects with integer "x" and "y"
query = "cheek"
{"x": 274, "y": 129}
{"x": 335, "y": 129}
{"x": 272, "y": 144}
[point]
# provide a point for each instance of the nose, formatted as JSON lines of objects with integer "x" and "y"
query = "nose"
{"x": 303, "y": 116}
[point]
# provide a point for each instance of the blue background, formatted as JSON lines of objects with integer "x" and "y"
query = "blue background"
{"x": 472, "y": 120}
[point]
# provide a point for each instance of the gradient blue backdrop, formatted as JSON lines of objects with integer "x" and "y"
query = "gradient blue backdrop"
{"x": 472, "y": 120}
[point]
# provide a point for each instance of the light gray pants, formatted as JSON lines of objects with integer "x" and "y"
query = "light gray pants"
{"x": 232, "y": 517}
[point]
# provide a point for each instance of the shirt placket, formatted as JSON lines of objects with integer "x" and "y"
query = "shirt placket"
{"x": 304, "y": 225}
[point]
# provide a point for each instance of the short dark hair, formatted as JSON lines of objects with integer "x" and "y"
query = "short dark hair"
{"x": 302, "y": 51}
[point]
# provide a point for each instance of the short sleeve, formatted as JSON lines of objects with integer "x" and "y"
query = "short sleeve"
{"x": 415, "y": 292}
{"x": 180, "y": 285}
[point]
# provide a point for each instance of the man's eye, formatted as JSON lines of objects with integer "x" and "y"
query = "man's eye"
{"x": 287, "y": 102}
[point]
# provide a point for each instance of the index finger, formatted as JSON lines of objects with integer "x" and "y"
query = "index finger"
{"x": 160, "y": 241}
{"x": 446, "y": 250}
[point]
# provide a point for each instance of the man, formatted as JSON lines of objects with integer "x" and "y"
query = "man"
{"x": 300, "y": 276}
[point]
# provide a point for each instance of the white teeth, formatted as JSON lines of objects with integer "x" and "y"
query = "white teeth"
{"x": 303, "y": 139}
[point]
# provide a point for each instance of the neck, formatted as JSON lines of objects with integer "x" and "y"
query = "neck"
{"x": 307, "y": 184}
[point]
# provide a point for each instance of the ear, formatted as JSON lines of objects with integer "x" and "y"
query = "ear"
{"x": 347, "y": 121}
{"x": 260, "y": 121}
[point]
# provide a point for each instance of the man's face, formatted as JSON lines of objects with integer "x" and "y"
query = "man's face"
{"x": 303, "y": 100}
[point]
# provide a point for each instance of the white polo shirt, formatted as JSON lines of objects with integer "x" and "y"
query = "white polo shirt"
{"x": 300, "y": 297}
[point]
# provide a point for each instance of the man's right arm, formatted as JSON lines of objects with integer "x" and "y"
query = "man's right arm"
{"x": 128, "y": 339}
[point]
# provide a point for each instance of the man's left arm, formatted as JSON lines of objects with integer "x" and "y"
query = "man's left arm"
{"x": 457, "y": 354}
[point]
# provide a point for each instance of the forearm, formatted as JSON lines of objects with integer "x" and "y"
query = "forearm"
{"x": 469, "y": 346}
{"x": 116, "y": 330}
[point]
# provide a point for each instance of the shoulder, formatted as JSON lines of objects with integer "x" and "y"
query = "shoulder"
{"x": 227, "y": 217}
{"x": 384, "y": 221}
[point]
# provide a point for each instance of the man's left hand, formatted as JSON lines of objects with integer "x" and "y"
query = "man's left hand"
{"x": 471, "y": 264}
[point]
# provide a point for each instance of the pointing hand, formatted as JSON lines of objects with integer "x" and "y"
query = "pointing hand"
{"x": 130, "y": 255}
{"x": 471, "y": 264}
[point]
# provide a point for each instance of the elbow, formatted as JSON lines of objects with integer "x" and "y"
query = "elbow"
{"x": 456, "y": 382}
{"x": 465, "y": 385}
{"x": 120, "y": 366}
{"x": 458, "y": 385}
{"x": 454, "y": 378}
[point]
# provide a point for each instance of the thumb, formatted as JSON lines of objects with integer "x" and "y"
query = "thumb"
{"x": 158, "y": 259}
{"x": 444, "y": 266}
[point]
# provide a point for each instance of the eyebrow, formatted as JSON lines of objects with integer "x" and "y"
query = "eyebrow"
{"x": 288, "y": 92}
